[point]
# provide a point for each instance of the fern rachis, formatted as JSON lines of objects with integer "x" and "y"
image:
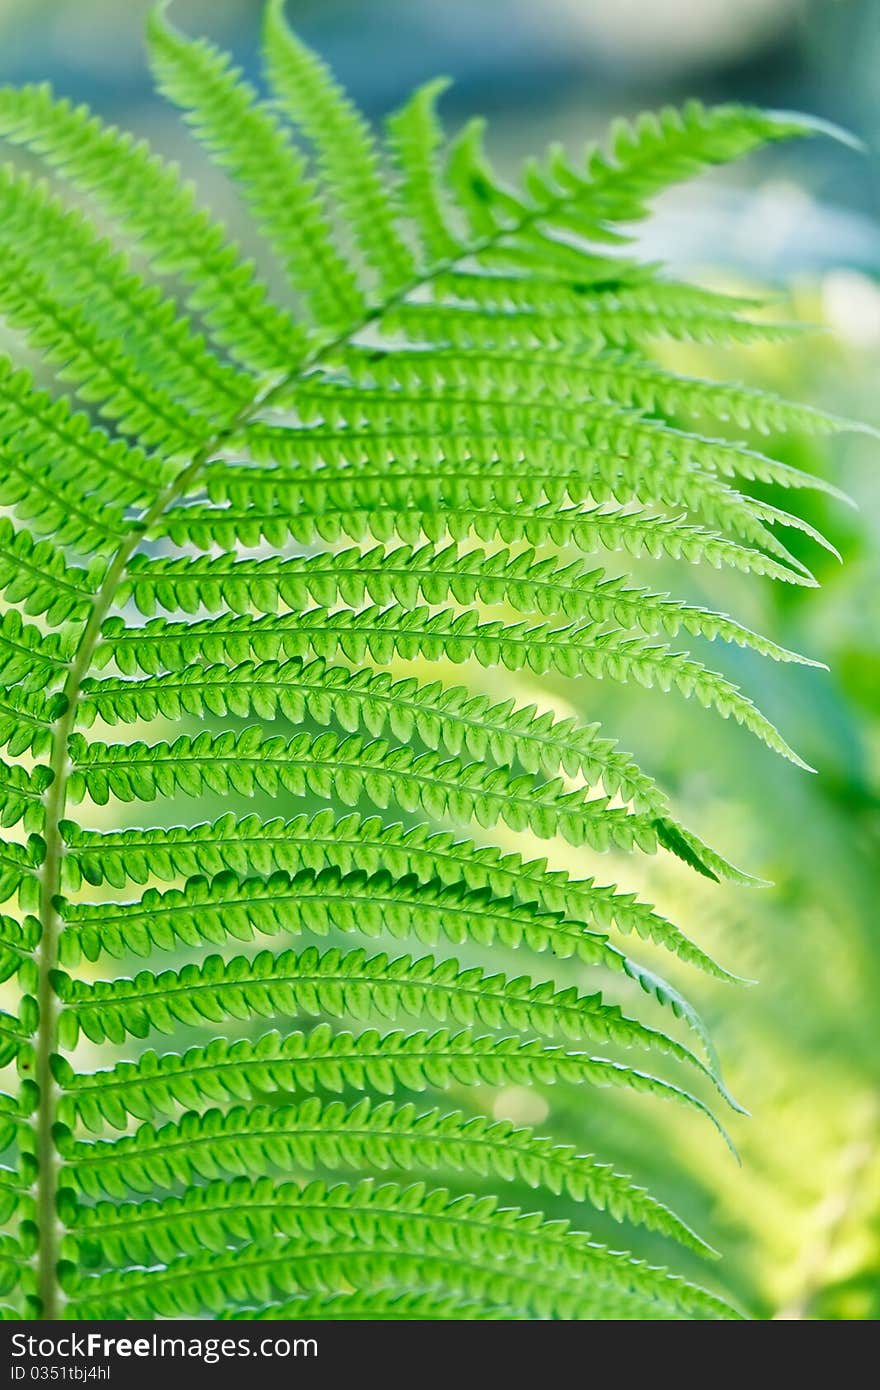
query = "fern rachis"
{"x": 510, "y": 413}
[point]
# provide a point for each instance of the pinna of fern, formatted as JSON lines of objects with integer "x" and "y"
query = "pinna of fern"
{"x": 459, "y": 386}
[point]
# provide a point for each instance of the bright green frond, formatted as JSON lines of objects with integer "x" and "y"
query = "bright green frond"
{"x": 410, "y": 517}
{"x": 224, "y": 1214}
{"x": 375, "y": 1305}
{"x": 231, "y": 907}
{"x": 429, "y": 476}
{"x": 29, "y": 657}
{"x": 35, "y": 576}
{"x": 18, "y": 865}
{"x": 323, "y": 1059}
{"x": 458, "y": 368}
{"x": 53, "y": 454}
{"x": 646, "y": 156}
{"x": 98, "y": 365}
{"x": 620, "y": 324}
{"x": 192, "y": 1284}
{"x": 450, "y": 717}
{"x": 147, "y": 198}
{"x": 415, "y": 140}
{"x": 83, "y": 269}
{"x": 21, "y": 796}
{"x": 367, "y": 846}
{"x": 589, "y": 381}
{"x": 375, "y": 1135}
{"x": 247, "y": 139}
{"x": 345, "y": 149}
{"x": 340, "y": 984}
{"x": 348, "y": 768}
{"x": 578, "y": 649}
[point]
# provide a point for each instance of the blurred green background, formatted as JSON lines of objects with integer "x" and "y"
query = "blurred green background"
{"x": 799, "y": 1222}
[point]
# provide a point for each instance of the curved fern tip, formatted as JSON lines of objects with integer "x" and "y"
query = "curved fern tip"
{"x": 436, "y": 87}
{"x": 157, "y": 13}
{"x": 798, "y": 761}
{"x": 734, "y": 1103}
{"x": 865, "y": 428}
{"x": 730, "y": 1145}
{"x": 275, "y": 22}
{"x": 816, "y": 125}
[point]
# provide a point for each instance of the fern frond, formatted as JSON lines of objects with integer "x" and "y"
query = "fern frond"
{"x": 99, "y": 366}
{"x": 29, "y": 657}
{"x": 231, "y": 905}
{"x": 349, "y": 769}
{"x": 47, "y": 439}
{"x": 454, "y": 788}
{"x": 626, "y": 290}
{"x": 410, "y": 518}
{"x": 26, "y": 721}
{"x": 244, "y": 137}
{"x": 603, "y": 325}
{"x": 224, "y": 1214}
{"x": 610, "y": 466}
{"x": 646, "y": 156}
{"x": 51, "y": 505}
{"x": 448, "y": 717}
{"x": 35, "y": 576}
{"x": 192, "y": 1283}
{"x": 628, "y": 380}
{"x": 237, "y": 907}
{"x": 374, "y": 1305}
{"x": 374, "y": 1135}
{"x": 403, "y": 575}
{"x": 415, "y": 141}
{"x": 83, "y": 269}
{"x": 343, "y": 985}
{"x": 18, "y": 939}
{"x": 575, "y": 650}
{"x": 487, "y": 207}
{"x": 21, "y": 795}
{"x": 18, "y": 864}
{"x": 354, "y": 844}
{"x": 522, "y": 581}
{"x": 323, "y": 1059}
{"x": 147, "y": 198}
{"x": 462, "y": 374}
{"x": 620, "y": 380}
{"x": 345, "y": 149}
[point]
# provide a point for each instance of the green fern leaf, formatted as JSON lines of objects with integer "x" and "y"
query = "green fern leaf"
{"x": 327, "y": 1060}
{"x": 352, "y": 844}
{"x": 248, "y": 140}
{"x": 147, "y": 198}
{"x": 223, "y": 1213}
{"x": 459, "y": 369}
{"x": 346, "y": 151}
{"x": 416, "y": 142}
{"x": 374, "y": 1135}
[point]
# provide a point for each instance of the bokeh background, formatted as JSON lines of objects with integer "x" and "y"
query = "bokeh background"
{"x": 799, "y": 1222}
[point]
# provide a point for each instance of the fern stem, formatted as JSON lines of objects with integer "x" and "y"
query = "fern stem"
{"x": 47, "y": 1039}
{"x": 56, "y": 799}
{"x": 47, "y": 955}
